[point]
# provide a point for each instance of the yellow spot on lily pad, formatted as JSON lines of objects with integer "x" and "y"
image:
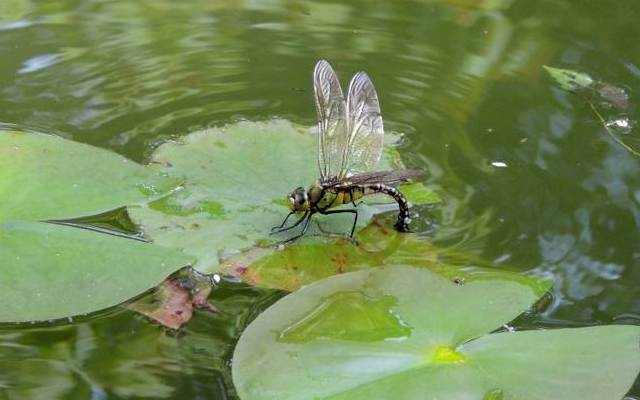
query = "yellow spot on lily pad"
{"x": 445, "y": 354}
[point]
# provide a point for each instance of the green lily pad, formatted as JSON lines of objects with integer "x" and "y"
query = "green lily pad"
{"x": 53, "y": 271}
{"x": 47, "y": 177}
{"x": 236, "y": 178}
{"x": 415, "y": 334}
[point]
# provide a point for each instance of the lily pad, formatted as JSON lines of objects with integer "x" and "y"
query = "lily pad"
{"x": 52, "y": 271}
{"x": 47, "y": 177}
{"x": 416, "y": 334}
{"x": 236, "y": 178}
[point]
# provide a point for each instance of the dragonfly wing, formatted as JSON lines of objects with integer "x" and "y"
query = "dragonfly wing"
{"x": 364, "y": 126}
{"x": 385, "y": 177}
{"x": 332, "y": 119}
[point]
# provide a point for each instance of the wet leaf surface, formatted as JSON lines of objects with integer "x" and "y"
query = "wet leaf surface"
{"x": 47, "y": 177}
{"x": 431, "y": 342}
{"x": 311, "y": 259}
{"x": 52, "y": 271}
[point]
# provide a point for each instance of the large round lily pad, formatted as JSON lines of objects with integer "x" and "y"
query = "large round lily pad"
{"x": 235, "y": 180}
{"x": 47, "y": 177}
{"x": 52, "y": 271}
{"x": 409, "y": 333}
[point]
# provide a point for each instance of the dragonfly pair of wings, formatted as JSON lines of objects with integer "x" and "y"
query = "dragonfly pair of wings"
{"x": 351, "y": 135}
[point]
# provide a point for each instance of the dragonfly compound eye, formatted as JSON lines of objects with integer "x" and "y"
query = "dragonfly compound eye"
{"x": 301, "y": 199}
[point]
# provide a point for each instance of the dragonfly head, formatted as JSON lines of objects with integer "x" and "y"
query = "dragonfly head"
{"x": 298, "y": 200}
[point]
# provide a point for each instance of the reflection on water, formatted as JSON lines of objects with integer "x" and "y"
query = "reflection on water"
{"x": 463, "y": 80}
{"x": 117, "y": 354}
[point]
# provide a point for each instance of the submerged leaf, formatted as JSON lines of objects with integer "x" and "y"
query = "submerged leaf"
{"x": 569, "y": 79}
{"x": 411, "y": 333}
{"x": 606, "y": 93}
{"x": 311, "y": 259}
{"x": 616, "y": 96}
{"x": 601, "y": 96}
{"x": 173, "y": 302}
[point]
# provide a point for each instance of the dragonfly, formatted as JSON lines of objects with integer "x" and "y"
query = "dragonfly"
{"x": 350, "y": 143}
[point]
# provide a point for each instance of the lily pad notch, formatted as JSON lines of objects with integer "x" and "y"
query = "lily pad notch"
{"x": 50, "y": 270}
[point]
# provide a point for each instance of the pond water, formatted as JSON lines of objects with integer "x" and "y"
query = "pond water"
{"x": 530, "y": 180}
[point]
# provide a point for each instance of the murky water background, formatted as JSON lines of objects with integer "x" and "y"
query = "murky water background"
{"x": 529, "y": 178}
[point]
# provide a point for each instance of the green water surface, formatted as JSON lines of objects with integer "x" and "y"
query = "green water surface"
{"x": 529, "y": 179}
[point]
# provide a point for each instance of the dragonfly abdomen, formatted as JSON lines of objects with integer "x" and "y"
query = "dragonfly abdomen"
{"x": 404, "y": 217}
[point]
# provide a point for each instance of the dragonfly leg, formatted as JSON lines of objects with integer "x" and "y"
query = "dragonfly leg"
{"x": 305, "y": 227}
{"x": 283, "y": 222}
{"x": 355, "y": 219}
{"x": 281, "y": 229}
